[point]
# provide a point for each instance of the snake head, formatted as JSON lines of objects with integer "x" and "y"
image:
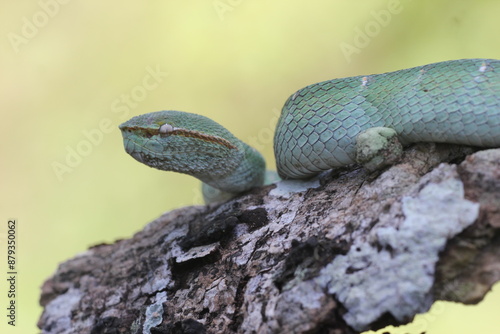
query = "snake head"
{"x": 181, "y": 142}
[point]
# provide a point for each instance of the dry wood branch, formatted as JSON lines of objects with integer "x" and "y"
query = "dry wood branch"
{"x": 353, "y": 252}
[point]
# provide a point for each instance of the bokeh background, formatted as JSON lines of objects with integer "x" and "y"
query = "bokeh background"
{"x": 71, "y": 71}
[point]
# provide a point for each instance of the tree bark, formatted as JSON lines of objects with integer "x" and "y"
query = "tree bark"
{"x": 347, "y": 252}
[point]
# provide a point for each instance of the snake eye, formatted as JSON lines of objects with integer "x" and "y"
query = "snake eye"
{"x": 165, "y": 129}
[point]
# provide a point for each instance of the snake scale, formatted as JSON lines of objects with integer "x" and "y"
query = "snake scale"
{"x": 332, "y": 124}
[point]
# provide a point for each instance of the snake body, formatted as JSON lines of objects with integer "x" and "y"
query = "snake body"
{"x": 454, "y": 101}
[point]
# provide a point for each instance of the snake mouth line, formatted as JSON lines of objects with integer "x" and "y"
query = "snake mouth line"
{"x": 148, "y": 133}
{"x": 141, "y": 152}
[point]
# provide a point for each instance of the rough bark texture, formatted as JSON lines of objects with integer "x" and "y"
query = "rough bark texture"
{"x": 348, "y": 252}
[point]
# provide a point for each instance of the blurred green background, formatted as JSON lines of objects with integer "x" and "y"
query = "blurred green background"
{"x": 72, "y": 71}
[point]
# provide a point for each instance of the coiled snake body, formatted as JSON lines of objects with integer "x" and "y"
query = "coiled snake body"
{"x": 332, "y": 124}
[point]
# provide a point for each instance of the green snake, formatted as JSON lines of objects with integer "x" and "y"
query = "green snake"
{"x": 361, "y": 119}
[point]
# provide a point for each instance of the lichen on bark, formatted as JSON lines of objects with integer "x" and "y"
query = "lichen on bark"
{"x": 350, "y": 251}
